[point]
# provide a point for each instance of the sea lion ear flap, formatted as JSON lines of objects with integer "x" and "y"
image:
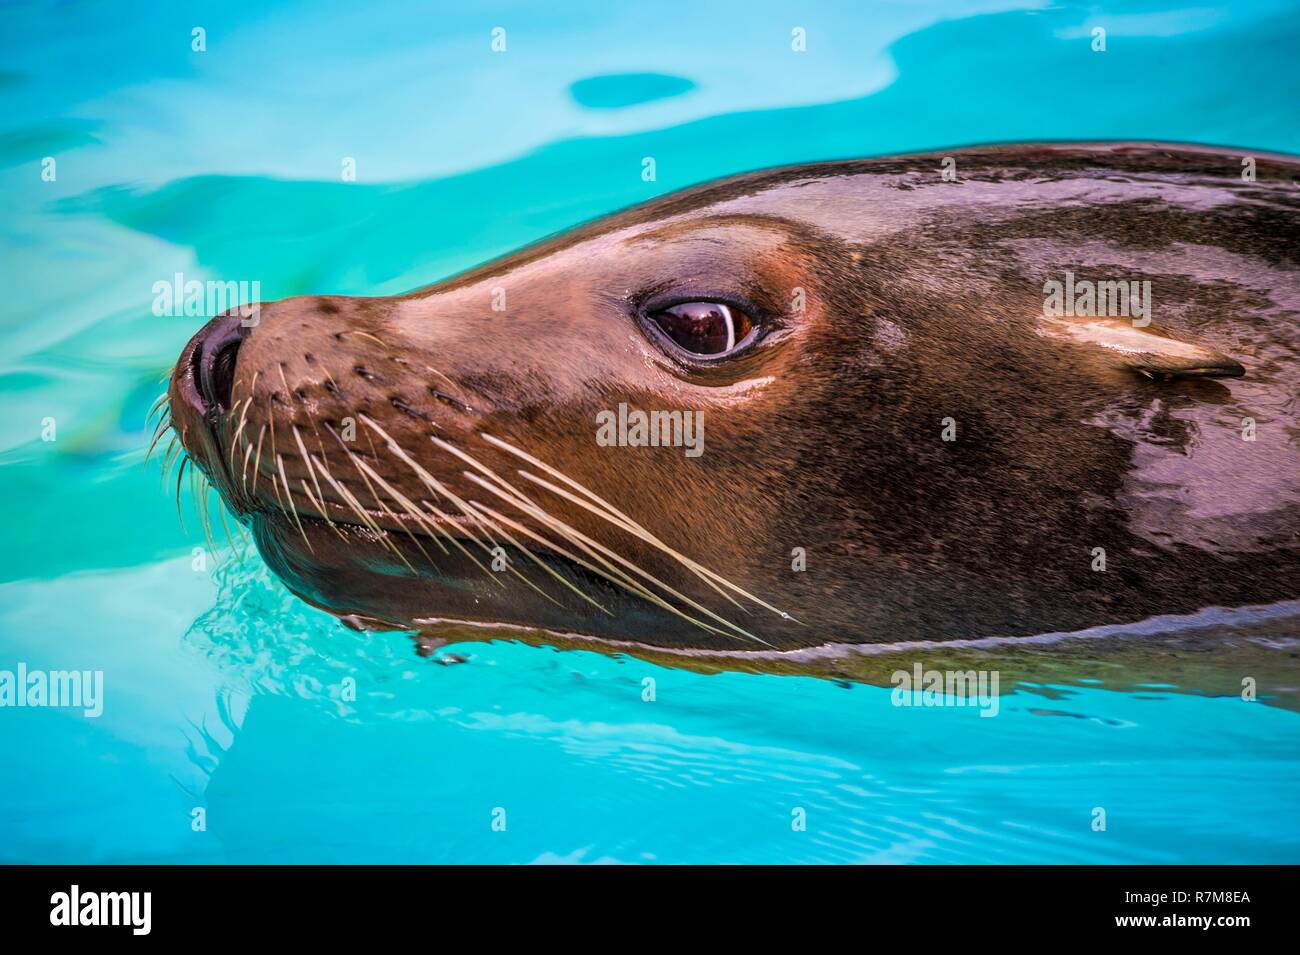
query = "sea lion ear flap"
{"x": 1148, "y": 350}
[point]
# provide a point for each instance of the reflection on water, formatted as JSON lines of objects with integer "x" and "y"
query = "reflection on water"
{"x": 304, "y": 741}
{"x": 719, "y": 762}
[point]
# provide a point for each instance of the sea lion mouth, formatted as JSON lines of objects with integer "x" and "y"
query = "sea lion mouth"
{"x": 446, "y": 562}
{"x": 475, "y": 569}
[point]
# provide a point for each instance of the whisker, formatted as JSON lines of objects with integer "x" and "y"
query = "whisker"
{"x": 293, "y": 511}
{"x": 610, "y": 512}
{"x": 196, "y": 478}
{"x": 202, "y": 490}
{"x": 379, "y": 341}
{"x": 502, "y": 519}
{"x": 406, "y": 503}
{"x": 447, "y": 519}
{"x": 467, "y": 511}
{"x": 569, "y": 497}
{"x": 160, "y": 404}
{"x": 239, "y": 430}
{"x": 243, "y": 471}
{"x": 595, "y": 550}
{"x": 243, "y": 539}
{"x": 321, "y": 508}
{"x": 321, "y": 444}
{"x": 630, "y": 529}
{"x": 356, "y": 506}
{"x": 515, "y": 497}
{"x": 257, "y": 462}
{"x": 428, "y": 479}
{"x": 168, "y": 461}
{"x": 180, "y": 474}
{"x": 165, "y": 424}
{"x": 302, "y": 450}
{"x": 275, "y": 486}
{"x": 535, "y": 560}
{"x": 425, "y": 477}
{"x": 360, "y": 511}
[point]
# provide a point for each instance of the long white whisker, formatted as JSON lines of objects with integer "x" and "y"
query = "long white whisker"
{"x": 595, "y": 550}
{"x": 619, "y": 519}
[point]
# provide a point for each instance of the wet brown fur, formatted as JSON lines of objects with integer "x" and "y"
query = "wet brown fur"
{"x": 924, "y": 302}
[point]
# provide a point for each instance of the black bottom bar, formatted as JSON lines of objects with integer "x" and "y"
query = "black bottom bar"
{"x": 336, "y": 903}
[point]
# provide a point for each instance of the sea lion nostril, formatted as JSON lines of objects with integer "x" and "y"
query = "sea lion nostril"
{"x": 216, "y": 360}
{"x": 223, "y": 374}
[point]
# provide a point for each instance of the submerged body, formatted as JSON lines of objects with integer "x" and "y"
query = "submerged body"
{"x": 1055, "y": 392}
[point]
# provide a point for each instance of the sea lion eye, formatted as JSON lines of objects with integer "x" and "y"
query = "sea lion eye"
{"x": 704, "y": 328}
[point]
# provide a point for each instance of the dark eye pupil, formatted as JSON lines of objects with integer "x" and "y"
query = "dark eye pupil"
{"x": 703, "y": 328}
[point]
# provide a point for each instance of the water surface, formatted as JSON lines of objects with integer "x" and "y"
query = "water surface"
{"x": 225, "y": 694}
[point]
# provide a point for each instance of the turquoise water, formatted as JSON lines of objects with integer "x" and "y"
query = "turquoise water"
{"x": 224, "y": 694}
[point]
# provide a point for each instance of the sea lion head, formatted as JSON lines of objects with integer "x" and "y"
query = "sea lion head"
{"x": 716, "y": 420}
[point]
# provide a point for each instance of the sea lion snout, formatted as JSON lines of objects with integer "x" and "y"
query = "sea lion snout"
{"x": 250, "y": 367}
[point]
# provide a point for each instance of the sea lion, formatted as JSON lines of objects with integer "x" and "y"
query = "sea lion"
{"x": 935, "y": 401}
